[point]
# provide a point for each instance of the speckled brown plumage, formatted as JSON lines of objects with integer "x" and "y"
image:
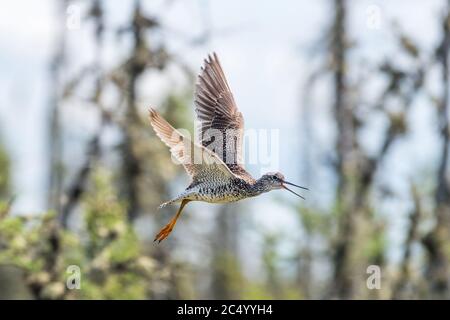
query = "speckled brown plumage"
{"x": 216, "y": 169}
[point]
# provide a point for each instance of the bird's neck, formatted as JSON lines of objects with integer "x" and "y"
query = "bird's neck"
{"x": 259, "y": 187}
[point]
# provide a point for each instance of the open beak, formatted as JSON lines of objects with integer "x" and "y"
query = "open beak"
{"x": 289, "y": 183}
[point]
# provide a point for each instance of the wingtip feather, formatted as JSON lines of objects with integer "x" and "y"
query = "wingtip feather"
{"x": 152, "y": 113}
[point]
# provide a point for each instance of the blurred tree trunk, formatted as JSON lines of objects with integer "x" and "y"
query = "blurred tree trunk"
{"x": 403, "y": 288}
{"x": 346, "y": 166}
{"x": 130, "y": 164}
{"x": 356, "y": 224}
{"x": 270, "y": 259}
{"x": 144, "y": 56}
{"x": 225, "y": 277}
{"x": 55, "y": 144}
{"x": 436, "y": 242}
{"x": 77, "y": 187}
{"x": 305, "y": 267}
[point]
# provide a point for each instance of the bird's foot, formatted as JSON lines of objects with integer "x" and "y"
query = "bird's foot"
{"x": 164, "y": 232}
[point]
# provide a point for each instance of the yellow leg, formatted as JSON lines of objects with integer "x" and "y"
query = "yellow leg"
{"x": 164, "y": 232}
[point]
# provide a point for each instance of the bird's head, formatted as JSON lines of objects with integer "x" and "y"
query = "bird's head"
{"x": 275, "y": 180}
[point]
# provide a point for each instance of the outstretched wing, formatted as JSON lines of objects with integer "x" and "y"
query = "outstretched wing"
{"x": 218, "y": 115}
{"x": 200, "y": 163}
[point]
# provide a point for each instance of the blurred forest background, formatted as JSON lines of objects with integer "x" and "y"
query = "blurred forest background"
{"x": 364, "y": 124}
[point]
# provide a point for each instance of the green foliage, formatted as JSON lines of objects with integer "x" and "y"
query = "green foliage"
{"x": 4, "y": 173}
{"x": 107, "y": 251}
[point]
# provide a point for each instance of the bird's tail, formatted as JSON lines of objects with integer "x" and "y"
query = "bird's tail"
{"x": 184, "y": 195}
{"x": 162, "y": 205}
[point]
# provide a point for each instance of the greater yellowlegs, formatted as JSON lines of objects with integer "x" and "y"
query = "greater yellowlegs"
{"x": 216, "y": 172}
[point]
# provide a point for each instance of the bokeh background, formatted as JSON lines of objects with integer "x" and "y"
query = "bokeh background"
{"x": 359, "y": 91}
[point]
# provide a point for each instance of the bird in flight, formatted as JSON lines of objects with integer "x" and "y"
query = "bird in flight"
{"x": 216, "y": 171}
